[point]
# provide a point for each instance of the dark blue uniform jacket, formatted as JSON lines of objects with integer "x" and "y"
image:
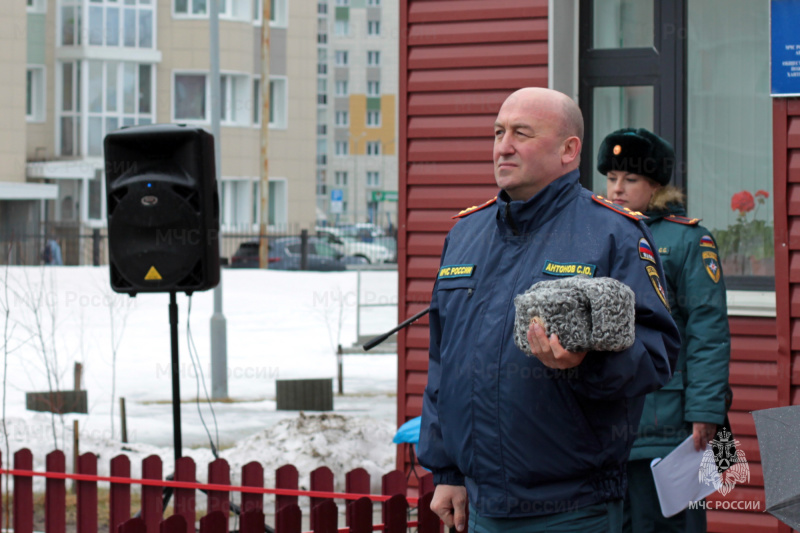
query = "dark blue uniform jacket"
{"x": 524, "y": 439}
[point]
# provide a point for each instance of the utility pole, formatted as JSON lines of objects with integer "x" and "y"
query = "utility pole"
{"x": 263, "y": 245}
{"x": 219, "y": 335}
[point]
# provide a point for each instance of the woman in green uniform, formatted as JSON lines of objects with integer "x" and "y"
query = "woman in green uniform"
{"x": 638, "y": 165}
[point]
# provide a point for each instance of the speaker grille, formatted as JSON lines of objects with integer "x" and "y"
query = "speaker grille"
{"x": 189, "y": 195}
{"x": 114, "y": 199}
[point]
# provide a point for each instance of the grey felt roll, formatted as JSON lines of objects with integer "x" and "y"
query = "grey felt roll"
{"x": 587, "y": 314}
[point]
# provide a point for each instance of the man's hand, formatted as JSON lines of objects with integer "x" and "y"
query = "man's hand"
{"x": 549, "y": 351}
{"x": 702, "y": 434}
{"x": 449, "y": 502}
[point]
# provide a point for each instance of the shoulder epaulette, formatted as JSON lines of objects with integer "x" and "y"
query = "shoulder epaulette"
{"x": 474, "y": 208}
{"x": 636, "y": 215}
{"x": 683, "y": 220}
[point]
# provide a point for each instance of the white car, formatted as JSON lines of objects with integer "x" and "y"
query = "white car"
{"x": 373, "y": 253}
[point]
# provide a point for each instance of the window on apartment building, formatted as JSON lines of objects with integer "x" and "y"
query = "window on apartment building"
{"x": 190, "y": 97}
{"x": 374, "y": 27}
{"x": 232, "y": 9}
{"x": 341, "y": 28}
{"x": 374, "y": 148}
{"x": 94, "y": 197}
{"x": 111, "y": 24}
{"x": 322, "y": 152}
{"x": 342, "y": 2}
{"x": 256, "y": 101}
{"x": 278, "y": 102}
{"x": 342, "y": 118}
{"x": 373, "y": 58}
{"x": 373, "y": 118}
{"x": 322, "y": 91}
{"x": 373, "y": 178}
{"x": 373, "y": 2}
{"x": 340, "y": 178}
{"x": 118, "y": 94}
{"x": 342, "y": 88}
{"x": 373, "y": 88}
{"x": 341, "y": 58}
{"x": 322, "y": 122}
{"x": 322, "y": 8}
{"x": 239, "y": 204}
{"x": 341, "y": 148}
{"x": 234, "y": 99}
{"x": 36, "y": 6}
{"x": 255, "y": 202}
{"x": 278, "y": 204}
{"x": 278, "y": 13}
{"x": 70, "y": 28}
{"x": 34, "y": 94}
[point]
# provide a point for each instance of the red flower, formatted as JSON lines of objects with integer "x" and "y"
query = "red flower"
{"x": 761, "y": 193}
{"x": 743, "y": 202}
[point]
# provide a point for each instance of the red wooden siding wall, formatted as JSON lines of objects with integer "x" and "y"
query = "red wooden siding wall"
{"x": 458, "y": 62}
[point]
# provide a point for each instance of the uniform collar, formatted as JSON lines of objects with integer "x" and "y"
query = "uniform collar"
{"x": 519, "y": 217}
{"x": 672, "y": 209}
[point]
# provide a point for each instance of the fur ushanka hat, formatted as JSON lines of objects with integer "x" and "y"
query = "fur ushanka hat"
{"x": 637, "y": 151}
{"x": 587, "y": 314}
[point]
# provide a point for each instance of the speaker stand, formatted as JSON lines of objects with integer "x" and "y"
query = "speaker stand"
{"x": 176, "y": 383}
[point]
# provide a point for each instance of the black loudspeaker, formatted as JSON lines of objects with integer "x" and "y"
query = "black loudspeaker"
{"x": 163, "y": 209}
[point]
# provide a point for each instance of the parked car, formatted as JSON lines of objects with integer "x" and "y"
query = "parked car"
{"x": 285, "y": 254}
{"x": 362, "y": 231}
{"x": 373, "y": 253}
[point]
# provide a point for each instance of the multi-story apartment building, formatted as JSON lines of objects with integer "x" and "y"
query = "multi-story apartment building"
{"x": 357, "y": 69}
{"x": 93, "y": 66}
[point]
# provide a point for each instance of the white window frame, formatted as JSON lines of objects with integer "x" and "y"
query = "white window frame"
{"x": 240, "y": 10}
{"x": 341, "y": 58}
{"x": 282, "y": 121}
{"x": 373, "y": 88}
{"x": 340, "y": 178}
{"x": 342, "y": 3}
{"x": 37, "y": 6}
{"x": 373, "y": 119}
{"x": 206, "y": 87}
{"x": 342, "y": 87}
{"x": 280, "y": 209}
{"x": 341, "y": 118}
{"x": 341, "y": 148}
{"x": 279, "y": 86}
{"x": 38, "y": 84}
{"x": 376, "y": 182}
{"x": 84, "y": 207}
{"x": 373, "y": 58}
{"x": 236, "y": 111}
{"x": 373, "y": 2}
{"x": 341, "y": 28}
{"x": 373, "y": 148}
{"x": 279, "y": 14}
{"x": 80, "y": 112}
{"x": 119, "y": 112}
{"x": 104, "y": 6}
{"x": 374, "y": 28}
{"x": 77, "y": 25}
{"x": 255, "y": 98}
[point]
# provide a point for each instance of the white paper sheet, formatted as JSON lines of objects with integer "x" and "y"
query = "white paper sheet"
{"x": 677, "y": 478}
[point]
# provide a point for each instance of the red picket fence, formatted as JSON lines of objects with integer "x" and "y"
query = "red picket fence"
{"x": 324, "y": 517}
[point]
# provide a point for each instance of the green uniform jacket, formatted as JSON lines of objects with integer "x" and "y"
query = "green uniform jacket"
{"x": 696, "y": 293}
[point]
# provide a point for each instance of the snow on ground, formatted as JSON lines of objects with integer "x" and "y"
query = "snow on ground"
{"x": 280, "y": 325}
